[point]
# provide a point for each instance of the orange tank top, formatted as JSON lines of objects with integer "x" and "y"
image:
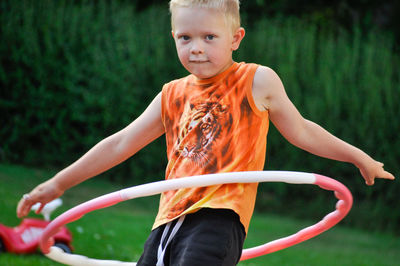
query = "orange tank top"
{"x": 212, "y": 126}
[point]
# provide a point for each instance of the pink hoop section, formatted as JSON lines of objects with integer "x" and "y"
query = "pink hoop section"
{"x": 343, "y": 206}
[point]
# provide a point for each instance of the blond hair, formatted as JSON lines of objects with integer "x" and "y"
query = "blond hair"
{"x": 230, "y": 9}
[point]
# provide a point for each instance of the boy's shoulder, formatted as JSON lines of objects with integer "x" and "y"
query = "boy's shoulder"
{"x": 261, "y": 71}
{"x": 266, "y": 86}
{"x": 265, "y": 75}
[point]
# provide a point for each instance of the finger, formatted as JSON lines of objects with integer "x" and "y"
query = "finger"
{"x": 39, "y": 210}
{"x": 19, "y": 210}
{"x": 389, "y": 176}
{"x": 23, "y": 208}
{"x": 25, "y": 205}
{"x": 370, "y": 182}
{"x": 386, "y": 175}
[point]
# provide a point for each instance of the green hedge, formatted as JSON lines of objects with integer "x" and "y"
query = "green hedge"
{"x": 72, "y": 73}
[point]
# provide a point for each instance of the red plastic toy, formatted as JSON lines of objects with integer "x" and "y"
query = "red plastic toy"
{"x": 25, "y": 237}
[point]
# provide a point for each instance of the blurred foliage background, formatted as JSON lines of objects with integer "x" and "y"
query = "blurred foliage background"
{"x": 74, "y": 72}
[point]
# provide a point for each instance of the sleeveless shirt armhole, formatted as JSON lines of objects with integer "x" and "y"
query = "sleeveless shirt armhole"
{"x": 163, "y": 103}
{"x": 249, "y": 93}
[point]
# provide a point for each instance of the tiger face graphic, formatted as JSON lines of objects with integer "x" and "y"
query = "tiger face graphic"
{"x": 200, "y": 130}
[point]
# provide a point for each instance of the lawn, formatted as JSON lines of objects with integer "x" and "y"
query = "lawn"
{"x": 119, "y": 232}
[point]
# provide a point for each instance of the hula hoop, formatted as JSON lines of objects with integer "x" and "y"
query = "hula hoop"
{"x": 343, "y": 206}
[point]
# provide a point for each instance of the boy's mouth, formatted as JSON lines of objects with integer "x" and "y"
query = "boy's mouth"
{"x": 197, "y": 61}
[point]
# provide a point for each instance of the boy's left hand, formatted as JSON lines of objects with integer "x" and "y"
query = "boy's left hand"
{"x": 374, "y": 170}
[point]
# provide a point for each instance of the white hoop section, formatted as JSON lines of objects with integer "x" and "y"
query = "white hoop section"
{"x": 343, "y": 206}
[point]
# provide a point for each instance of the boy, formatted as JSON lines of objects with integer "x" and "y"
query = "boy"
{"x": 215, "y": 120}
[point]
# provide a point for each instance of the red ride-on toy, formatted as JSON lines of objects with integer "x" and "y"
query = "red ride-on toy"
{"x": 25, "y": 237}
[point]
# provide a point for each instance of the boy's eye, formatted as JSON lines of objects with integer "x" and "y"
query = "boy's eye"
{"x": 210, "y": 37}
{"x": 184, "y": 37}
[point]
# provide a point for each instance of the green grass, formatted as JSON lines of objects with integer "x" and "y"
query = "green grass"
{"x": 119, "y": 232}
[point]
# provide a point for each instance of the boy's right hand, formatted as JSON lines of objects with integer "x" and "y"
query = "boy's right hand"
{"x": 42, "y": 194}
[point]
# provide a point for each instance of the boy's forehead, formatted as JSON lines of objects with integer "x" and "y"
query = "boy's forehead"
{"x": 185, "y": 17}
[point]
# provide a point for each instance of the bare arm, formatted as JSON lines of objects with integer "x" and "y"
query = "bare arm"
{"x": 103, "y": 156}
{"x": 270, "y": 95}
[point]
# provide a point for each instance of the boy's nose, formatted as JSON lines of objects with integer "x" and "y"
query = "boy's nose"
{"x": 197, "y": 48}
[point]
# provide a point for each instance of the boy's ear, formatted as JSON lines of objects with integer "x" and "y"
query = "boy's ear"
{"x": 173, "y": 34}
{"x": 237, "y": 38}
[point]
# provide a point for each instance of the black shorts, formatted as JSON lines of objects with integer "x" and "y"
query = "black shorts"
{"x": 211, "y": 237}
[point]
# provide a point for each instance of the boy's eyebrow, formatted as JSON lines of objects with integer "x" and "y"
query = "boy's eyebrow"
{"x": 182, "y": 33}
{"x": 203, "y": 32}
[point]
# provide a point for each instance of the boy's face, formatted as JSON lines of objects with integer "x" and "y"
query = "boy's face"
{"x": 204, "y": 41}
